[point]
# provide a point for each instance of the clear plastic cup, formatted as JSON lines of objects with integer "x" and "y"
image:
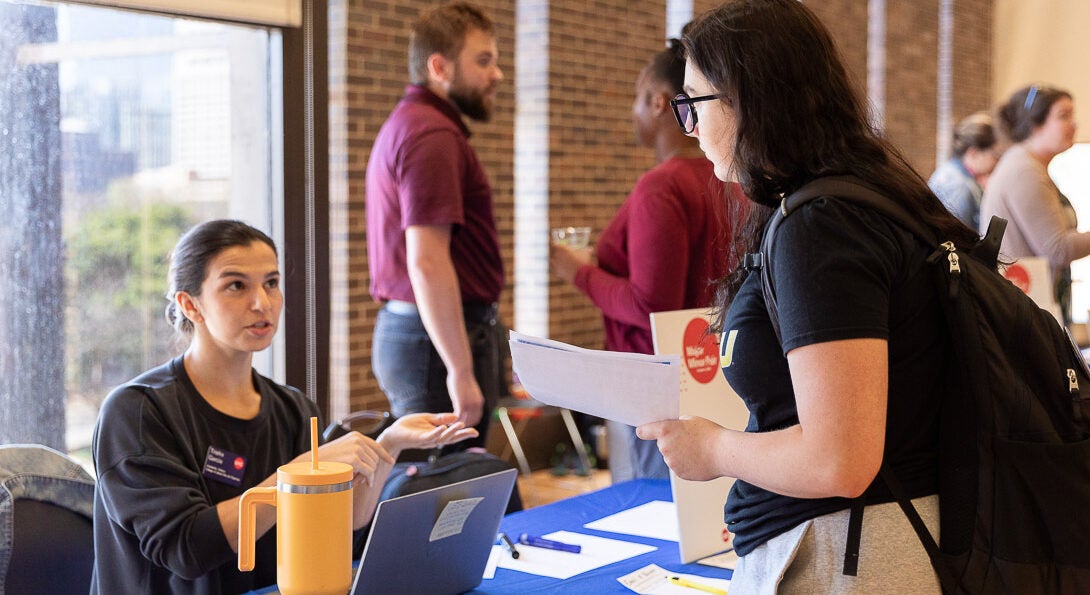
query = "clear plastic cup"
{"x": 572, "y": 237}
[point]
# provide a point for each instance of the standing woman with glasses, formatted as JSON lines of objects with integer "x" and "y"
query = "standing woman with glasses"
{"x": 855, "y": 380}
{"x": 1040, "y": 121}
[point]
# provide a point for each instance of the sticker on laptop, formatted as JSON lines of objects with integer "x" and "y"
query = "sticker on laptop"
{"x": 453, "y": 518}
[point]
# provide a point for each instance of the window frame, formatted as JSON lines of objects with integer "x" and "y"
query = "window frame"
{"x": 306, "y": 198}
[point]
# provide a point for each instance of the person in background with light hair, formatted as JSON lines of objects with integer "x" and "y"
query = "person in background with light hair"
{"x": 1040, "y": 121}
{"x": 959, "y": 183}
{"x": 176, "y": 447}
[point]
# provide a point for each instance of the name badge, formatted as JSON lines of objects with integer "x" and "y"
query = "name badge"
{"x": 224, "y": 466}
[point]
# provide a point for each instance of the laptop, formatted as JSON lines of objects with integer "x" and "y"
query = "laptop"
{"x": 437, "y": 541}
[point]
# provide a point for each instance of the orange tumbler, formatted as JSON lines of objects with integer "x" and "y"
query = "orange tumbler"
{"x": 313, "y": 527}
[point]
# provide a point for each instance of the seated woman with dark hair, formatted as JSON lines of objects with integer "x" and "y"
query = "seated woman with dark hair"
{"x": 1040, "y": 121}
{"x": 166, "y": 510}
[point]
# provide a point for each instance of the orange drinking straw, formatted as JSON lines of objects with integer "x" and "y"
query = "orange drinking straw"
{"x": 314, "y": 443}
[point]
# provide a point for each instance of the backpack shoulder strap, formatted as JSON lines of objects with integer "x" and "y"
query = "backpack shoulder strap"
{"x": 855, "y": 190}
{"x": 849, "y": 188}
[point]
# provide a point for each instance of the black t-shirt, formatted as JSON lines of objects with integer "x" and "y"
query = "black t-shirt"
{"x": 156, "y": 525}
{"x": 840, "y": 272}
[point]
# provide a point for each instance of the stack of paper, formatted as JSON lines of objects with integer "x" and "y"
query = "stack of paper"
{"x": 630, "y": 388}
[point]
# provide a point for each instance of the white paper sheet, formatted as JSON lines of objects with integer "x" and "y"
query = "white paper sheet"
{"x": 631, "y": 388}
{"x": 453, "y": 518}
{"x": 656, "y": 519}
{"x": 653, "y": 580}
{"x": 493, "y": 560}
{"x": 597, "y": 552}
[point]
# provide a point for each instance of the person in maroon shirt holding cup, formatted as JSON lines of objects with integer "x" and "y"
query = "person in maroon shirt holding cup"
{"x": 668, "y": 243}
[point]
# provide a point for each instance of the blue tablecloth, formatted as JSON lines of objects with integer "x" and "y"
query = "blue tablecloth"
{"x": 570, "y": 515}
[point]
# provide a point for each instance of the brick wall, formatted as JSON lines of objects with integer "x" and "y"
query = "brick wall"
{"x": 911, "y": 80}
{"x": 972, "y": 59}
{"x": 594, "y": 50}
{"x": 597, "y": 50}
{"x": 847, "y": 22}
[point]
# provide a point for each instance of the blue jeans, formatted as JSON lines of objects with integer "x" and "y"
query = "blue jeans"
{"x": 35, "y": 472}
{"x": 647, "y": 461}
{"x": 414, "y": 377}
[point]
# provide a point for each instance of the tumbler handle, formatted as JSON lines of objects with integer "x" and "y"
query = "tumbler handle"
{"x": 247, "y": 518}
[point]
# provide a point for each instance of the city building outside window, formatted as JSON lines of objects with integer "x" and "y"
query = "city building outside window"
{"x": 118, "y": 131}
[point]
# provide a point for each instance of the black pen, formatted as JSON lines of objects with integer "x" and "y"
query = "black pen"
{"x": 507, "y": 543}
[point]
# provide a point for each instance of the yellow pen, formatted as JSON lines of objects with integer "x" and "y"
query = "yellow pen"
{"x": 683, "y": 582}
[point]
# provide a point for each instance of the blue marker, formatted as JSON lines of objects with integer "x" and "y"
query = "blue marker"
{"x": 535, "y": 541}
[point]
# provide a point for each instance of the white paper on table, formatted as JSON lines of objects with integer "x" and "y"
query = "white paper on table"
{"x": 631, "y": 388}
{"x": 597, "y": 552}
{"x": 656, "y": 519}
{"x": 652, "y": 580}
{"x": 493, "y": 560}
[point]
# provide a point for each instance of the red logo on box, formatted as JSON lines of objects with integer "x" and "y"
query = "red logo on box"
{"x": 700, "y": 351}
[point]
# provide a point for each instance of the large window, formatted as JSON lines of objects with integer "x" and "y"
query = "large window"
{"x": 1069, "y": 171}
{"x": 118, "y": 130}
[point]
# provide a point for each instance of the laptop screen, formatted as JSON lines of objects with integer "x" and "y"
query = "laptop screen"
{"x": 436, "y": 541}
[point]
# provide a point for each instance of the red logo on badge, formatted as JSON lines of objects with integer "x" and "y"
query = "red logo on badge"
{"x": 239, "y": 463}
{"x": 701, "y": 351}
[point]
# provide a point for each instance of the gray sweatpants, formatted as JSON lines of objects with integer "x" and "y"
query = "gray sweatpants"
{"x": 810, "y": 557}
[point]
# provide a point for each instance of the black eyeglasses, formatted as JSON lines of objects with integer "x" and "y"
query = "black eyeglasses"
{"x": 685, "y": 112}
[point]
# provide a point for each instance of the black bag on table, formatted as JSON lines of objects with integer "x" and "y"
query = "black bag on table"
{"x": 409, "y": 478}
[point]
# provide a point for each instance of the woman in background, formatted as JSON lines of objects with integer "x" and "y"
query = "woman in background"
{"x": 959, "y": 183}
{"x": 1040, "y": 121}
{"x": 166, "y": 510}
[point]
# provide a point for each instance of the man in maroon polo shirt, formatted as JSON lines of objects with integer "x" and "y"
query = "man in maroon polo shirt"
{"x": 432, "y": 244}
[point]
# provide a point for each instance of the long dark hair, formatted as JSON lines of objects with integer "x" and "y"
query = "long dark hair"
{"x": 797, "y": 115}
{"x": 190, "y": 257}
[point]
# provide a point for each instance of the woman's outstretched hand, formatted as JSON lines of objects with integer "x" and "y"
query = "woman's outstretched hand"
{"x": 424, "y": 430}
